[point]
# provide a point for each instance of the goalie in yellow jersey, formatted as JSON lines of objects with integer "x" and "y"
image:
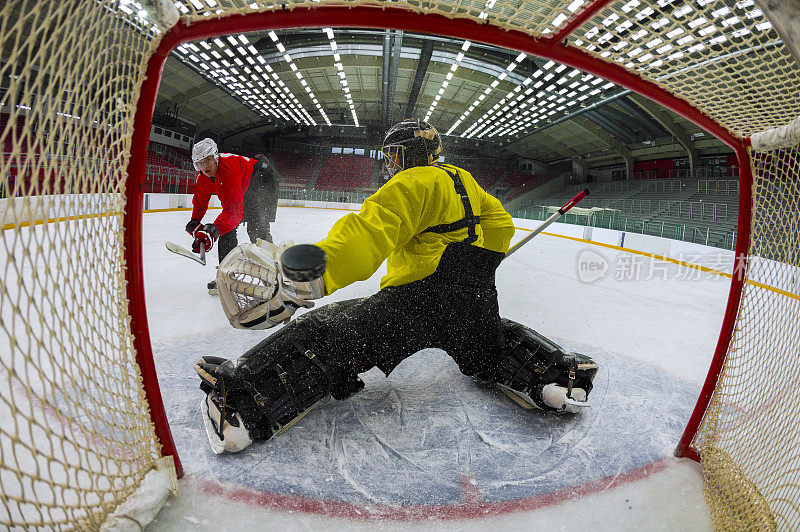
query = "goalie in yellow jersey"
{"x": 442, "y": 236}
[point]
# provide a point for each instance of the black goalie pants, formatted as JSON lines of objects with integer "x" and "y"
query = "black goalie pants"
{"x": 455, "y": 309}
{"x": 322, "y": 352}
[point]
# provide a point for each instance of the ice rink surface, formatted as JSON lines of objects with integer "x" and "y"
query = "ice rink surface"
{"x": 426, "y": 448}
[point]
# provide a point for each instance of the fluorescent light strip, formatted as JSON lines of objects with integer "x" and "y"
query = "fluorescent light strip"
{"x": 705, "y": 29}
{"x": 525, "y": 118}
{"x": 288, "y": 58}
{"x": 488, "y": 6}
{"x": 498, "y": 122}
{"x": 472, "y": 131}
{"x": 217, "y": 75}
{"x": 285, "y": 106}
{"x": 448, "y": 77}
{"x": 340, "y": 71}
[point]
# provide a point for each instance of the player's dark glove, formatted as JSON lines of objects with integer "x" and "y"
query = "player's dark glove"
{"x": 192, "y": 226}
{"x": 205, "y": 236}
{"x": 264, "y": 171}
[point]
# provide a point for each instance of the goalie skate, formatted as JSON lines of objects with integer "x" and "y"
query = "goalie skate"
{"x": 283, "y": 389}
{"x": 232, "y": 436}
{"x": 208, "y": 368}
{"x": 553, "y": 395}
{"x": 537, "y": 373}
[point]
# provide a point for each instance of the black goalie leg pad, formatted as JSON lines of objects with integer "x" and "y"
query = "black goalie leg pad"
{"x": 275, "y": 399}
{"x": 277, "y": 382}
{"x": 537, "y": 371}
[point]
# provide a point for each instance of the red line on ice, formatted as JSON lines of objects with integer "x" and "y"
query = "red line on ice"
{"x": 471, "y": 507}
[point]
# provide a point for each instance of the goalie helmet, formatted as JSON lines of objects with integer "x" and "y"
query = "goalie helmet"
{"x": 203, "y": 149}
{"x": 410, "y": 143}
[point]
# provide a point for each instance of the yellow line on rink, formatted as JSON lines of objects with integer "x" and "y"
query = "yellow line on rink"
{"x": 61, "y": 219}
{"x": 637, "y": 252}
{"x": 281, "y": 206}
{"x": 669, "y": 259}
{"x": 325, "y": 208}
{"x": 575, "y": 239}
{"x": 175, "y": 209}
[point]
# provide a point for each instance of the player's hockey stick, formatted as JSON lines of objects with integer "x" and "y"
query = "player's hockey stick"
{"x": 558, "y": 214}
{"x": 175, "y": 248}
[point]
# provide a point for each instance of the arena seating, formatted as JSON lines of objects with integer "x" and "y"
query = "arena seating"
{"x": 296, "y": 168}
{"x": 697, "y": 210}
{"x": 37, "y": 176}
{"x": 345, "y": 172}
{"x": 486, "y": 177}
{"x": 516, "y": 183}
{"x": 179, "y": 157}
{"x": 165, "y": 171}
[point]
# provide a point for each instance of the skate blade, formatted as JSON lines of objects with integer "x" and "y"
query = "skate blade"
{"x": 206, "y": 376}
{"x": 217, "y": 445}
{"x": 524, "y": 400}
{"x": 556, "y": 397}
{"x": 298, "y": 418}
{"x": 573, "y": 407}
{"x": 521, "y": 399}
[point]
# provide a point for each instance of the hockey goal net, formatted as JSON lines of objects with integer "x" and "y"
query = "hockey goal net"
{"x": 81, "y": 420}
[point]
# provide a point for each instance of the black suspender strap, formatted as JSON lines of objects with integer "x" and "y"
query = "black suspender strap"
{"x": 469, "y": 220}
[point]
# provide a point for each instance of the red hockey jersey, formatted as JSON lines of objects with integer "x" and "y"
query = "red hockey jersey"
{"x": 230, "y": 183}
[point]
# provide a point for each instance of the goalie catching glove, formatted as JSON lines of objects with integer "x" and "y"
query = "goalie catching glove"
{"x": 262, "y": 285}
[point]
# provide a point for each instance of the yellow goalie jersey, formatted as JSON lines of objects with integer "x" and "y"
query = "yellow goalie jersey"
{"x": 392, "y": 222}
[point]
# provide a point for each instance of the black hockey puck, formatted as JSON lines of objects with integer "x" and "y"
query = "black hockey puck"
{"x": 303, "y": 262}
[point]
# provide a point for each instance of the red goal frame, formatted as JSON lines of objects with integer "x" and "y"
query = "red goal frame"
{"x": 375, "y": 17}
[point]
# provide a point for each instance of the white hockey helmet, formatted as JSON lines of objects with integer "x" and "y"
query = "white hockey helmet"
{"x": 203, "y": 149}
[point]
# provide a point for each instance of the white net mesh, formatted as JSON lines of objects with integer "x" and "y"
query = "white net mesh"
{"x": 752, "y": 479}
{"x": 76, "y": 437}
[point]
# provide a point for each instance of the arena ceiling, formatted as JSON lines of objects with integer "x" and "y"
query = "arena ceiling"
{"x": 358, "y": 82}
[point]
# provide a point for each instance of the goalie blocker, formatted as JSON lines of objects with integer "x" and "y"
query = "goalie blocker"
{"x": 281, "y": 379}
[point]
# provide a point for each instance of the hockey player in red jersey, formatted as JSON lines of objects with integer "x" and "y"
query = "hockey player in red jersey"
{"x": 247, "y": 189}
{"x": 443, "y": 237}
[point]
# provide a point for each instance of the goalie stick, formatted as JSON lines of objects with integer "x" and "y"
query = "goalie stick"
{"x": 175, "y": 248}
{"x": 555, "y": 397}
{"x": 558, "y": 214}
